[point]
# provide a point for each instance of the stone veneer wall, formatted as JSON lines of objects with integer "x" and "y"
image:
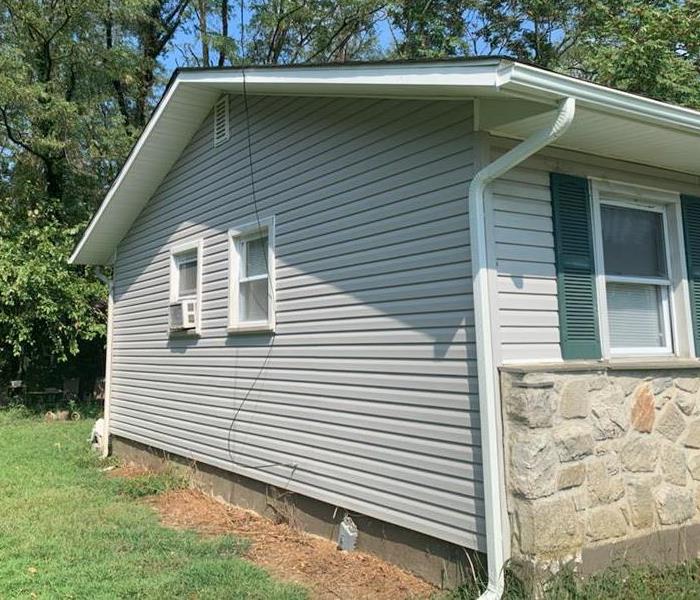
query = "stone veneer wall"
{"x": 597, "y": 457}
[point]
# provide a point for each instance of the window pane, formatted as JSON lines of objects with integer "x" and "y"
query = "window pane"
{"x": 256, "y": 257}
{"x": 254, "y": 300}
{"x": 633, "y": 242}
{"x": 187, "y": 274}
{"x": 635, "y": 317}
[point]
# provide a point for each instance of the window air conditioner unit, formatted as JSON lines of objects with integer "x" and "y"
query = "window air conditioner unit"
{"x": 183, "y": 314}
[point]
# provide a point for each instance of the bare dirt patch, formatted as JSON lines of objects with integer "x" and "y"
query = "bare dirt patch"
{"x": 128, "y": 471}
{"x": 290, "y": 554}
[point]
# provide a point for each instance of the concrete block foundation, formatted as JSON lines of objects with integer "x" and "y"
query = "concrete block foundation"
{"x": 439, "y": 562}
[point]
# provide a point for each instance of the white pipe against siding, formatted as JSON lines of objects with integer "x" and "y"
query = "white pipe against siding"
{"x": 497, "y": 546}
{"x": 108, "y": 366}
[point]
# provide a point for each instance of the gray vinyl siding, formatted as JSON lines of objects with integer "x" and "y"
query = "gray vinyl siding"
{"x": 365, "y": 397}
{"x": 522, "y": 240}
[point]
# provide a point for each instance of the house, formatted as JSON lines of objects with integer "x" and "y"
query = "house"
{"x": 457, "y": 301}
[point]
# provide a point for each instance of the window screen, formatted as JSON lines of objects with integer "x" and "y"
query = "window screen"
{"x": 634, "y": 315}
{"x": 633, "y": 242}
{"x": 253, "y": 288}
{"x": 254, "y": 300}
{"x": 256, "y": 257}
{"x": 187, "y": 274}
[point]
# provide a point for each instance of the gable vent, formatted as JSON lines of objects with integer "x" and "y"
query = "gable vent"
{"x": 221, "y": 121}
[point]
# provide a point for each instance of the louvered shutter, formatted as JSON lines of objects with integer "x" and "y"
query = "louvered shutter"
{"x": 691, "y": 232}
{"x": 573, "y": 243}
{"x": 221, "y": 129}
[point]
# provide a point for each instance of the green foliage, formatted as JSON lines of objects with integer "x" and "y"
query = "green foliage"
{"x": 543, "y": 32}
{"x": 292, "y": 31}
{"x": 428, "y": 28}
{"x": 649, "y": 48}
{"x": 72, "y": 536}
{"x": 15, "y": 413}
{"x": 70, "y": 95}
{"x": 46, "y": 306}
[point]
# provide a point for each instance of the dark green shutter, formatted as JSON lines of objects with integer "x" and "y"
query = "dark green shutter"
{"x": 573, "y": 244}
{"x": 691, "y": 232}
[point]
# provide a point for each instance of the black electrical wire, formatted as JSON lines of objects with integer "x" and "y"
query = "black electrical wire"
{"x": 251, "y": 167}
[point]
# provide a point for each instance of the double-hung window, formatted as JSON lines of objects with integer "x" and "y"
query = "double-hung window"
{"x": 185, "y": 285}
{"x": 252, "y": 277}
{"x": 637, "y": 279}
{"x": 642, "y": 292}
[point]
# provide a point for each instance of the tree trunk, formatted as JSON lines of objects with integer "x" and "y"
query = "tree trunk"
{"x": 224, "y": 31}
{"x": 202, "y": 14}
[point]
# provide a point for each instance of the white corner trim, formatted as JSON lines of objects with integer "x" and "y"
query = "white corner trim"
{"x": 108, "y": 364}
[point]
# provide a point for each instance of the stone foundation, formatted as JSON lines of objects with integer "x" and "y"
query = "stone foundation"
{"x": 599, "y": 459}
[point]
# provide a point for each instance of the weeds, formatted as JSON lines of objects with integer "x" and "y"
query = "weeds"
{"x": 649, "y": 582}
{"x": 150, "y": 484}
{"x": 15, "y": 413}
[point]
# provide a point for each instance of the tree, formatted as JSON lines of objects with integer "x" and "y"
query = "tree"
{"x": 429, "y": 28}
{"x": 147, "y": 29}
{"x": 645, "y": 47}
{"x": 206, "y": 25}
{"x": 62, "y": 138}
{"x": 292, "y": 31}
{"x": 47, "y": 307}
{"x": 544, "y": 32}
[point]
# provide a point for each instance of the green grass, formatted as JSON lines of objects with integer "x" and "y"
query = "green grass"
{"x": 151, "y": 484}
{"x": 625, "y": 582}
{"x": 67, "y": 531}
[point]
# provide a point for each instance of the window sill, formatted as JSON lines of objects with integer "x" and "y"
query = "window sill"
{"x": 641, "y": 363}
{"x": 253, "y": 328}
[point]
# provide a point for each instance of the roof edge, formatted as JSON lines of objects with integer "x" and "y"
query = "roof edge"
{"x": 478, "y": 76}
{"x": 531, "y": 80}
{"x": 123, "y": 172}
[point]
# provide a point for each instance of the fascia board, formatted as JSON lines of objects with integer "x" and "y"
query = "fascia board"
{"x": 473, "y": 74}
{"x": 524, "y": 80}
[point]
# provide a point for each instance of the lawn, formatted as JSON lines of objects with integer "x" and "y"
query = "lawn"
{"x": 68, "y": 531}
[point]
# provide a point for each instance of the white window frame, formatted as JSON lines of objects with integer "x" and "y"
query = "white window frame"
{"x": 236, "y": 235}
{"x": 175, "y": 253}
{"x": 674, "y": 297}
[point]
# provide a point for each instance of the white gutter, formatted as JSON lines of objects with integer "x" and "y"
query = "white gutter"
{"x": 497, "y": 544}
{"x": 108, "y": 362}
{"x": 538, "y": 83}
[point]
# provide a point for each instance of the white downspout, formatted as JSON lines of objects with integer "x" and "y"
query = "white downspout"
{"x": 489, "y": 396}
{"x": 108, "y": 366}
